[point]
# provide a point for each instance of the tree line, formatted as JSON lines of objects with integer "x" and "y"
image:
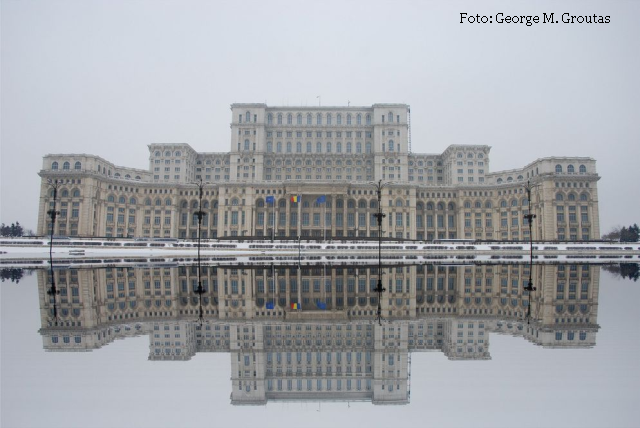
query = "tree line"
{"x": 623, "y": 234}
{"x": 14, "y": 230}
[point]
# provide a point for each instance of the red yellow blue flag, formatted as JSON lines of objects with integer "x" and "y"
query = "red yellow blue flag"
{"x": 295, "y": 198}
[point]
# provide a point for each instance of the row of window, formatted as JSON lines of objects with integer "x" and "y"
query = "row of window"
{"x": 328, "y": 147}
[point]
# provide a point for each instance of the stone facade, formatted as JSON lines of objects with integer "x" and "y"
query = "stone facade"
{"x": 309, "y": 152}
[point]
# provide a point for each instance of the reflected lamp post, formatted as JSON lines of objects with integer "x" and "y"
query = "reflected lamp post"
{"x": 379, "y": 216}
{"x": 200, "y": 214}
{"x": 529, "y": 218}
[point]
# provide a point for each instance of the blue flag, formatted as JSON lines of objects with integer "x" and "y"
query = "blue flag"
{"x": 271, "y": 305}
{"x": 321, "y": 199}
{"x": 271, "y": 199}
{"x": 321, "y": 305}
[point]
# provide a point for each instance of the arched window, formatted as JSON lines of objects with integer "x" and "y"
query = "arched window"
{"x": 520, "y": 177}
{"x": 429, "y": 206}
{"x": 478, "y": 204}
{"x": 514, "y": 202}
{"x": 318, "y": 147}
{"x": 349, "y": 119}
{"x": 246, "y": 144}
{"x": 487, "y": 204}
{"x": 390, "y": 145}
{"x": 390, "y": 119}
{"x": 260, "y": 203}
{"x": 288, "y": 146}
{"x": 572, "y": 197}
{"x": 64, "y": 193}
{"x": 349, "y": 147}
{"x": 338, "y": 147}
{"x": 234, "y": 202}
{"x": 373, "y": 204}
{"x": 77, "y": 166}
{"x": 122, "y": 200}
{"x": 499, "y": 180}
{"x": 583, "y": 169}
{"x": 584, "y": 197}
{"x": 280, "y": 119}
{"x": 329, "y": 147}
{"x": 167, "y": 202}
{"x": 398, "y": 202}
{"x": 247, "y": 117}
{"x": 503, "y": 204}
{"x": 147, "y": 201}
{"x": 368, "y": 147}
{"x": 269, "y": 146}
{"x": 559, "y": 197}
{"x": 157, "y": 153}
{"x": 570, "y": 169}
{"x": 440, "y": 206}
{"x": 509, "y": 179}
{"x": 308, "y": 147}
{"x": 289, "y": 119}
{"x": 368, "y": 119}
{"x": 66, "y": 166}
{"x": 469, "y": 155}
{"x": 329, "y": 119}
{"x": 111, "y": 198}
{"x": 299, "y": 119}
{"x": 339, "y": 203}
{"x": 132, "y": 201}
{"x": 270, "y": 119}
{"x": 359, "y": 119}
{"x": 558, "y": 169}
{"x": 54, "y": 166}
{"x": 178, "y": 153}
{"x": 358, "y": 147}
{"x": 158, "y": 202}
{"x": 451, "y": 206}
{"x": 298, "y": 147}
{"x": 167, "y": 153}
{"x": 309, "y": 120}
{"x": 279, "y": 147}
{"x": 318, "y": 119}
{"x": 339, "y": 119}
{"x": 467, "y": 204}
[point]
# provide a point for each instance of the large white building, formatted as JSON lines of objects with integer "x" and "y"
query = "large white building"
{"x": 340, "y": 353}
{"x": 315, "y": 152}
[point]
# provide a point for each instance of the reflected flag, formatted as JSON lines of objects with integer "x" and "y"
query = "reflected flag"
{"x": 321, "y": 305}
{"x": 271, "y": 305}
{"x": 271, "y": 200}
{"x": 295, "y": 198}
{"x": 295, "y": 306}
{"x": 321, "y": 199}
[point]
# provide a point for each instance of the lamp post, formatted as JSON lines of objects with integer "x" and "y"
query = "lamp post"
{"x": 379, "y": 216}
{"x": 200, "y": 214}
{"x": 529, "y": 217}
{"x": 52, "y": 211}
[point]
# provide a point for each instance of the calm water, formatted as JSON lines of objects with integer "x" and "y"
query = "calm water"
{"x": 456, "y": 347}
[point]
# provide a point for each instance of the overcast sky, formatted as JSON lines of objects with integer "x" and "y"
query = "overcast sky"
{"x": 110, "y": 77}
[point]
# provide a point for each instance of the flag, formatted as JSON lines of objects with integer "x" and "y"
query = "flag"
{"x": 295, "y": 198}
{"x": 271, "y": 305}
{"x": 271, "y": 199}
{"x": 295, "y": 306}
{"x": 321, "y": 305}
{"x": 321, "y": 199}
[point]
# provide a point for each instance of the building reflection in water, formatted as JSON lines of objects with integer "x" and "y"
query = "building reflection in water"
{"x": 337, "y": 353}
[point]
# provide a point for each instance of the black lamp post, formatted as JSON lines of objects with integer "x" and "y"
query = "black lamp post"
{"x": 529, "y": 217}
{"x": 200, "y": 214}
{"x": 52, "y": 213}
{"x": 379, "y": 216}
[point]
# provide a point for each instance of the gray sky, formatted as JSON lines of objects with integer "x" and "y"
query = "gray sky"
{"x": 110, "y": 77}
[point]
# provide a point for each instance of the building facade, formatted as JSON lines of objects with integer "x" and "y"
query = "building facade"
{"x": 340, "y": 353}
{"x": 318, "y": 165}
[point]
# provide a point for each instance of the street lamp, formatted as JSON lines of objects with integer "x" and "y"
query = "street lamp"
{"x": 52, "y": 212}
{"x": 379, "y": 216}
{"x": 200, "y": 214}
{"x": 529, "y": 217}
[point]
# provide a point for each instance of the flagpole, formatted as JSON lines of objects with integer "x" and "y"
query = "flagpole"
{"x": 273, "y": 226}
